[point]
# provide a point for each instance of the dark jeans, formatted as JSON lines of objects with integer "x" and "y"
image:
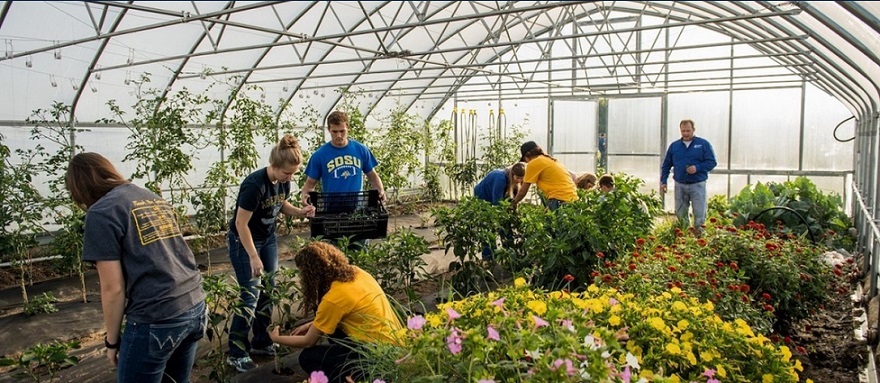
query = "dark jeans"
{"x": 554, "y": 204}
{"x": 163, "y": 351}
{"x": 336, "y": 359}
{"x": 251, "y": 298}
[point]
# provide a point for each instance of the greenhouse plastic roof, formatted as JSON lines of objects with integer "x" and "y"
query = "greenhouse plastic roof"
{"x": 85, "y": 54}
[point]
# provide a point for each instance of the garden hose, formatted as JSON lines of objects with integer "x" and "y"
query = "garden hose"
{"x": 786, "y": 208}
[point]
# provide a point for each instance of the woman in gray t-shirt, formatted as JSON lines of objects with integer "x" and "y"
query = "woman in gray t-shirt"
{"x": 147, "y": 272}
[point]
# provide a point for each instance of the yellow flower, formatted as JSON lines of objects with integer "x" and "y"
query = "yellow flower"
{"x": 798, "y": 366}
{"x": 614, "y": 320}
{"x": 675, "y": 290}
{"x": 786, "y": 353}
{"x": 657, "y": 323}
{"x": 673, "y": 349}
{"x": 519, "y": 282}
{"x": 593, "y": 289}
{"x": 616, "y": 309}
{"x": 555, "y": 294}
{"x": 767, "y": 378}
{"x": 683, "y": 324}
{"x": 692, "y": 358}
{"x": 647, "y": 374}
{"x": 719, "y": 369}
{"x": 687, "y": 336}
{"x": 434, "y": 320}
{"x": 538, "y": 307}
{"x": 679, "y": 306}
{"x": 809, "y": 380}
{"x": 675, "y": 379}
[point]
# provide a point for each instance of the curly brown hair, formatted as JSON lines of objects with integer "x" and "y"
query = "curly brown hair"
{"x": 320, "y": 265}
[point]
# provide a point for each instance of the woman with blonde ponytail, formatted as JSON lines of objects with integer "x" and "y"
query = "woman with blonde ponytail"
{"x": 253, "y": 248}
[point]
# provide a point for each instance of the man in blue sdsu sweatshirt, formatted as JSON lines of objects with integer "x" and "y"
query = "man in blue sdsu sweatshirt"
{"x": 692, "y": 158}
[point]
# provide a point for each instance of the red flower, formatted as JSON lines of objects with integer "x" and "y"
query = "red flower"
{"x": 672, "y": 269}
{"x": 734, "y": 266}
{"x": 568, "y": 278}
{"x": 702, "y": 242}
{"x": 640, "y": 241}
{"x": 632, "y": 266}
{"x": 770, "y": 246}
{"x": 713, "y": 220}
{"x": 765, "y": 296}
{"x": 744, "y": 288}
{"x": 600, "y": 254}
{"x": 768, "y": 308}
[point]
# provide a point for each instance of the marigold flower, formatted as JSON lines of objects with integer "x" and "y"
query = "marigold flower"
{"x": 568, "y": 278}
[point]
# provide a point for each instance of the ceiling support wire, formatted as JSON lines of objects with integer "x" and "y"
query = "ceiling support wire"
{"x": 830, "y": 79}
{"x": 74, "y": 103}
{"x": 142, "y": 28}
{"x": 651, "y": 27}
{"x": 870, "y": 102}
{"x": 198, "y": 41}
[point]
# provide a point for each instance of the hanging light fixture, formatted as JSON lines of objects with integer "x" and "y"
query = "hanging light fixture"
{"x": 92, "y": 87}
{"x": 52, "y": 81}
{"x": 29, "y": 62}
{"x": 57, "y": 52}
{"x": 285, "y": 88}
{"x": 127, "y": 80}
{"x": 98, "y": 74}
{"x": 8, "y": 49}
{"x": 130, "y": 60}
{"x": 74, "y": 85}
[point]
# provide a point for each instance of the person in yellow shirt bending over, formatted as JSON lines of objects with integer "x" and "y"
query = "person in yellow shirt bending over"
{"x": 553, "y": 179}
{"x": 350, "y": 307}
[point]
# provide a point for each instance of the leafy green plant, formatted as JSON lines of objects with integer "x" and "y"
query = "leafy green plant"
{"x": 395, "y": 262}
{"x": 42, "y": 304}
{"x": 583, "y": 234}
{"x": 397, "y": 165}
{"x": 220, "y": 301}
{"x": 162, "y": 142}
{"x": 501, "y": 151}
{"x": 42, "y": 359}
{"x": 823, "y": 216}
{"x": 54, "y": 126}
{"x": 20, "y": 210}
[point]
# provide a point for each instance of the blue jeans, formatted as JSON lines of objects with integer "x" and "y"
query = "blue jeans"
{"x": 691, "y": 195}
{"x": 163, "y": 351}
{"x": 251, "y": 298}
{"x": 554, "y": 204}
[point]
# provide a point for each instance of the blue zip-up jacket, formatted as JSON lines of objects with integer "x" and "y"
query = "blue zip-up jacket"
{"x": 679, "y": 157}
{"x": 492, "y": 187}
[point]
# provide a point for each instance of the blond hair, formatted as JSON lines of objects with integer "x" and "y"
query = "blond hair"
{"x": 286, "y": 152}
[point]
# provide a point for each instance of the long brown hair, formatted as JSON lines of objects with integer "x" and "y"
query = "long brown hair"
{"x": 286, "y": 152}
{"x": 320, "y": 265}
{"x": 89, "y": 177}
{"x": 518, "y": 169}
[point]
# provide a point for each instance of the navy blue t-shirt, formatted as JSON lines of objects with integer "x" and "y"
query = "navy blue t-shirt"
{"x": 259, "y": 195}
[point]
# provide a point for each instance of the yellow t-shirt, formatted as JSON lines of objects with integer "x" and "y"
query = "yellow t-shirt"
{"x": 361, "y": 308}
{"x": 552, "y": 178}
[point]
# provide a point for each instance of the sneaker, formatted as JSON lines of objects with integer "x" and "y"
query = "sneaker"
{"x": 242, "y": 364}
{"x": 269, "y": 350}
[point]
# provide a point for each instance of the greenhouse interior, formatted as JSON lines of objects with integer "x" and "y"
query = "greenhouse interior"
{"x": 774, "y": 280}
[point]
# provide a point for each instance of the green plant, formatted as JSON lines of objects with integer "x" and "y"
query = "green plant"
{"x": 501, "y": 151}
{"x": 396, "y": 164}
{"x": 220, "y": 302}
{"x": 43, "y": 359}
{"x": 396, "y": 262}
{"x": 823, "y": 216}
{"x": 162, "y": 142}
{"x": 20, "y": 210}
{"x": 54, "y": 128}
{"x": 44, "y": 304}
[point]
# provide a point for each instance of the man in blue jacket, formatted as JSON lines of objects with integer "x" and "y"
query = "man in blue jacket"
{"x": 692, "y": 158}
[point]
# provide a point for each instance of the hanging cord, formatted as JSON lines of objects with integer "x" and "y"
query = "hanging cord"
{"x": 838, "y": 127}
{"x": 492, "y": 125}
{"x": 473, "y": 122}
{"x": 788, "y": 209}
{"x": 502, "y": 123}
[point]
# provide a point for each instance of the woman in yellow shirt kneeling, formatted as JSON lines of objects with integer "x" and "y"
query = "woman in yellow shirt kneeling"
{"x": 350, "y": 306}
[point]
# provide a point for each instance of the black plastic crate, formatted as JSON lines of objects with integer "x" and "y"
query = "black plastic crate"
{"x": 358, "y": 215}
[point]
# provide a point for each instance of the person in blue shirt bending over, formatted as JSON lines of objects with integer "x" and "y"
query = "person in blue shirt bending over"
{"x": 692, "y": 158}
{"x": 498, "y": 185}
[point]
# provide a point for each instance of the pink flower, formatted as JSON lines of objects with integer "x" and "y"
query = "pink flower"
{"x": 569, "y": 366}
{"x": 499, "y": 303}
{"x": 318, "y": 377}
{"x": 378, "y": 381}
{"x": 486, "y": 381}
{"x": 415, "y": 323}
{"x": 453, "y": 341}
{"x": 493, "y": 334}
{"x": 626, "y": 375}
{"x": 453, "y": 315}
{"x": 539, "y": 322}
{"x": 612, "y": 301}
{"x": 709, "y": 373}
{"x": 713, "y": 380}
